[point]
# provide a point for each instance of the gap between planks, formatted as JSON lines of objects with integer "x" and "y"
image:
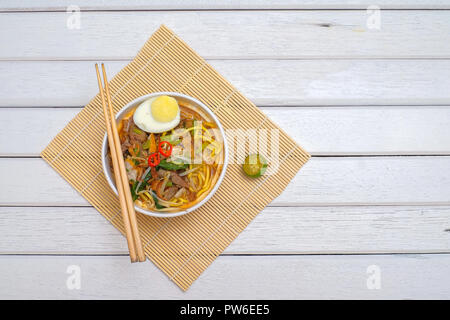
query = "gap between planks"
{"x": 277, "y": 205}
{"x": 313, "y": 155}
{"x": 244, "y": 254}
{"x": 132, "y": 5}
{"x": 236, "y": 58}
{"x": 239, "y": 58}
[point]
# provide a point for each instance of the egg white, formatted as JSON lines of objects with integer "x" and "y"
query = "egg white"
{"x": 143, "y": 118}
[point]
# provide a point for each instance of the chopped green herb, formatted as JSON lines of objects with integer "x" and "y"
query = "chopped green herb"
{"x": 133, "y": 189}
{"x": 171, "y": 165}
{"x": 157, "y": 205}
{"x": 144, "y": 182}
{"x": 171, "y": 139}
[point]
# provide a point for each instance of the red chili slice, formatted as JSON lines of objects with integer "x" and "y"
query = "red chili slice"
{"x": 154, "y": 159}
{"x": 165, "y": 152}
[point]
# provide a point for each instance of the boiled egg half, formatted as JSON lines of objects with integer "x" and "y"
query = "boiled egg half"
{"x": 157, "y": 114}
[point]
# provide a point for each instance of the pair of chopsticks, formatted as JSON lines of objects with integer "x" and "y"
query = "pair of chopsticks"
{"x": 126, "y": 202}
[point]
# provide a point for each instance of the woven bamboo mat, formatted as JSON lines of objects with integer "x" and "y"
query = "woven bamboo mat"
{"x": 182, "y": 247}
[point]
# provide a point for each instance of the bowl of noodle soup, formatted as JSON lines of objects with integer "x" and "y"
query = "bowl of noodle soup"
{"x": 183, "y": 181}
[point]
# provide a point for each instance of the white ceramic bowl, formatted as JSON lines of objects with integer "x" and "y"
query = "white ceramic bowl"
{"x": 191, "y": 101}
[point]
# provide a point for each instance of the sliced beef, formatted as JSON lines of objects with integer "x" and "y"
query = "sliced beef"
{"x": 170, "y": 192}
{"x": 178, "y": 180}
{"x": 137, "y": 135}
{"x": 154, "y": 173}
{"x": 125, "y": 145}
{"x": 191, "y": 195}
{"x": 127, "y": 124}
{"x": 180, "y": 192}
{"x": 186, "y": 123}
{"x": 162, "y": 173}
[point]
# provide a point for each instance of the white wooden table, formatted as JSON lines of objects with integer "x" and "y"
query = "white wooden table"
{"x": 371, "y": 105}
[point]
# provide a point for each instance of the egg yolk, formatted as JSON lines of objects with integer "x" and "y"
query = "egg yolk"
{"x": 164, "y": 109}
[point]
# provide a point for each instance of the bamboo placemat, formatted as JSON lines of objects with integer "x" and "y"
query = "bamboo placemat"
{"x": 183, "y": 247}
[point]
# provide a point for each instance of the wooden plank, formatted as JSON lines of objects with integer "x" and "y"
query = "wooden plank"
{"x": 265, "y": 82}
{"x": 231, "y": 277}
{"x": 387, "y": 130}
{"x": 17, "y": 124}
{"x": 261, "y": 34}
{"x": 322, "y": 181}
{"x": 61, "y": 5}
{"x": 303, "y": 230}
{"x": 320, "y": 130}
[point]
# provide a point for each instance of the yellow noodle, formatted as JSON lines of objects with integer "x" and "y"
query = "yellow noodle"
{"x": 199, "y": 182}
{"x": 207, "y": 183}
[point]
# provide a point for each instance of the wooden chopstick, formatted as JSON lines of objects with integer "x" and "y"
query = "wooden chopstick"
{"x": 126, "y": 202}
{"x": 129, "y": 200}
